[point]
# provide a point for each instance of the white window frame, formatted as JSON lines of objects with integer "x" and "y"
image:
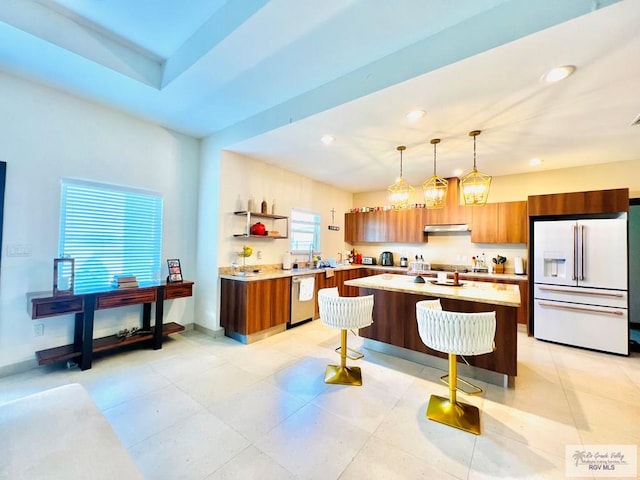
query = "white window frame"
{"x": 301, "y": 222}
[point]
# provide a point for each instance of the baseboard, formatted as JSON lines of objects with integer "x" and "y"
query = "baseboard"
{"x": 15, "y": 368}
{"x": 217, "y": 333}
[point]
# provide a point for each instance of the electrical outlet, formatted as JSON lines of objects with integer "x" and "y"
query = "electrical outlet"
{"x": 259, "y": 255}
{"x": 38, "y": 329}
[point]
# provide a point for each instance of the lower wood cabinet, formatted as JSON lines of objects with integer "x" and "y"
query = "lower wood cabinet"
{"x": 248, "y": 308}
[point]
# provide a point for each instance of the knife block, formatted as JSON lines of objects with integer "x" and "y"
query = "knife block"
{"x": 498, "y": 268}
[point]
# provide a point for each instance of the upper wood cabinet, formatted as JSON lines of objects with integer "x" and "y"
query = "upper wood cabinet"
{"x": 385, "y": 226}
{"x": 576, "y": 203}
{"x": 504, "y": 222}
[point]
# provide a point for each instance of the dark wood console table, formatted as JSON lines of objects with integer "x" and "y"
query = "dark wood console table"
{"x": 42, "y": 305}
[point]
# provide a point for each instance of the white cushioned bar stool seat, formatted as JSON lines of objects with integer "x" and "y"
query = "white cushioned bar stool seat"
{"x": 345, "y": 313}
{"x": 455, "y": 333}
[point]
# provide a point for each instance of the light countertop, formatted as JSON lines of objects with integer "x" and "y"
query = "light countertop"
{"x": 271, "y": 272}
{"x": 482, "y": 292}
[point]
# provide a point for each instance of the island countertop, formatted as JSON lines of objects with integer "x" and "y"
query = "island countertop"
{"x": 470, "y": 291}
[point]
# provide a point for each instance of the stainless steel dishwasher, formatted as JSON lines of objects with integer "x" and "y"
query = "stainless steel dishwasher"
{"x": 303, "y": 299}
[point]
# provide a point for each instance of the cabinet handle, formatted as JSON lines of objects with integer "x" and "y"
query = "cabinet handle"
{"x": 590, "y": 310}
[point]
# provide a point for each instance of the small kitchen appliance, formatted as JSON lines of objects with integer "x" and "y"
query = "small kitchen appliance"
{"x": 368, "y": 261}
{"x": 404, "y": 262}
{"x": 386, "y": 259}
{"x": 518, "y": 265}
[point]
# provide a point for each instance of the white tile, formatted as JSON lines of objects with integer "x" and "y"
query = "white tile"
{"x": 216, "y": 383}
{"x": 204, "y": 407}
{"x": 193, "y": 447}
{"x": 379, "y": 460}
{"x": 249, "y": 464}
{"x": 147, "y": 415}
{"x": 500, "y": 457}
{"x": 255, "y": 411}
{"x": 407, "y": 427}
{"x": 112, "y": 387}
{"x": 313, "y": 444}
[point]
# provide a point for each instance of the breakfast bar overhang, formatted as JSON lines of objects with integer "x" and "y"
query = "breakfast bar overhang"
{"x": 394, "y": 330}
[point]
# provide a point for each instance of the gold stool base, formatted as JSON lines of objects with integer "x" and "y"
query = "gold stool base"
{"x": 343, "y": 375}
{"x": 458, "y": 415}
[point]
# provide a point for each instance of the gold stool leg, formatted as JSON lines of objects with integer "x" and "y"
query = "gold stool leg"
{"x": 341, "y": 374}
{"x": 451, "y": 412}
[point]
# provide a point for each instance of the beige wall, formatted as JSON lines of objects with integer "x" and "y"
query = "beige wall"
{"x": 457, "y": 247}
{"x": 519, "y": 187}
{"x": 243, "y": 176}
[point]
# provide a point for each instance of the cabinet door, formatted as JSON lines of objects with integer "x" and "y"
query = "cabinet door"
{"x": 375, "y": 228}
{"x": 485, "y": 224}
{"x": 513, "y": 222}
{"x": 350, "y": 227}
{"x": 268, "y": 304}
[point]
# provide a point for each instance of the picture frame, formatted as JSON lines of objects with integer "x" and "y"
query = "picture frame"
{"x": 63, "y": 276}
{"x": 175, "y": 270}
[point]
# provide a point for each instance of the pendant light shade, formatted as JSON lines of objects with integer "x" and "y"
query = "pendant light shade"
{"x": 435, "y": 189}
{"x": 400, "y": 193}
{"x": 475, "y": 185}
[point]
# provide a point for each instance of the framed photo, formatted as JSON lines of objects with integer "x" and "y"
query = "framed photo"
{"x": 175, "y": 271}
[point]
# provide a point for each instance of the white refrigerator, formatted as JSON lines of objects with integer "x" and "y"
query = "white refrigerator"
{"x": 580, "y": 283}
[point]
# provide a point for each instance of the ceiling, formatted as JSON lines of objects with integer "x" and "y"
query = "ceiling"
{"x": 268, "y": 78}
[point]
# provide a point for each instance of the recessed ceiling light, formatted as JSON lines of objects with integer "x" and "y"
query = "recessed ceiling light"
{"x": 535, "y": 161}
{"x": 558, "y": 73}
{"x": 328, "y": 139}
{"x": 414, "y": 115}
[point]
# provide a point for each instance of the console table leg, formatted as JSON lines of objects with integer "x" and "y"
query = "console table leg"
{"x": 87, "y": 332}
{"x": 157, "y": 333}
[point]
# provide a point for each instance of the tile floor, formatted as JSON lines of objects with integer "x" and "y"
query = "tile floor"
{"x": 204, "y": 408}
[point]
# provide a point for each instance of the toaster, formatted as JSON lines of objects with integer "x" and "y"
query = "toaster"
{"x": 368, "y": 261}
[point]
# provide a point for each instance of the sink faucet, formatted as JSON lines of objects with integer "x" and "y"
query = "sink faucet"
{"x": 340, "y": 258}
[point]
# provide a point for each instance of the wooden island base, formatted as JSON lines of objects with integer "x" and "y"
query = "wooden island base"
{"x": 395, "y": 330}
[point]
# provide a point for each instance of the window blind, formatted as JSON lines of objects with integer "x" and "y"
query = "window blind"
{"x": 110, "y": 231}
{"x": 305, "y": 231}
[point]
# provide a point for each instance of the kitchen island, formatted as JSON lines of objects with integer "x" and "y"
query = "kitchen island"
{"x": 394, "y": 330}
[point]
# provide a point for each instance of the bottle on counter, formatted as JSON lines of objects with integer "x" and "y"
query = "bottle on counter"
{"x": 456, "y": 278}
{"x": 251, "y": 204}
{"x": 263, "y": 207}
{"x": 273, "y": 207}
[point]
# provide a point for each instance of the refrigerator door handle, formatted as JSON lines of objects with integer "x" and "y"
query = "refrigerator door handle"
{"x": 582, "y": 252}
{"x": 589, "y": 310}
{"x": 582, "y": 292}
{"x": 574, "y": 274}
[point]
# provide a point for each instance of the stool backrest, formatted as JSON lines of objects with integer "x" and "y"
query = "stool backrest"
{"x": 456, "y": 332}
{"x": 344, "y": 312}
{"x": 435, "y": 304}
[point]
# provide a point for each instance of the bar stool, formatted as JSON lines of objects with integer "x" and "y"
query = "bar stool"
{"x": 344, "y": 313}
{"x": 455, "y": 333}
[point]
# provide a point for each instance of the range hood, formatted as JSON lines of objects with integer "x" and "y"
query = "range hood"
{"x": 450, "y": 227}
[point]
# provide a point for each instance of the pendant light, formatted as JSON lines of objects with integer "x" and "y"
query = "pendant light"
{"x": 475, "y": 185}
{"x": 435, "y": 189}
{"x": 400, "y": 193}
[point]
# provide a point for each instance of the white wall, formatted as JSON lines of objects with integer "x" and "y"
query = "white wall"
{"x": 47, "y": 135}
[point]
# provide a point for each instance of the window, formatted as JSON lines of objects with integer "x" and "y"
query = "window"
{"x": 109, "y": 231}
{"x": 305, "y": 231}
